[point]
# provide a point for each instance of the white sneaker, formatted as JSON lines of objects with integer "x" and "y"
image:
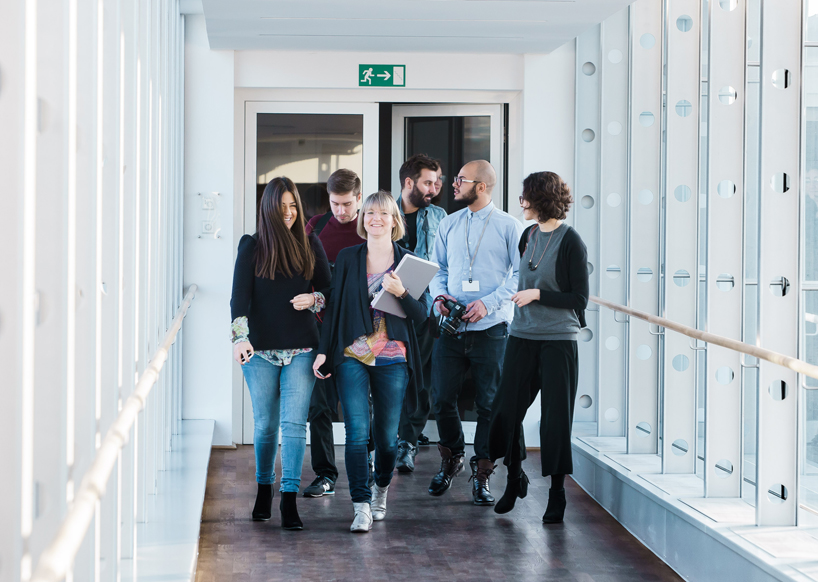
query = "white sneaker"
{"x": 379, "y": 502}
{"x": 363, "y": 518}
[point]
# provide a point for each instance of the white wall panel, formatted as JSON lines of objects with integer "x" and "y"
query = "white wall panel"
{"x": 613, "y": 221}
{"x": 778, "y": 391}
{"x": 681, "y": 212}
{"x": 644, "y": 202}
{"x": 584, "y": 215}
{"x": 725, "y": 206}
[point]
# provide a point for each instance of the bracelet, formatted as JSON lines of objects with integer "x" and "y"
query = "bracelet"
{"x": 405, "y": 294}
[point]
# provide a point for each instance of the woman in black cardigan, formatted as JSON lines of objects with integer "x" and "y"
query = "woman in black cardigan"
{"x": 274, "y": 334}
{"x": 370, "y": 350}
{"x": 541, "y": 355}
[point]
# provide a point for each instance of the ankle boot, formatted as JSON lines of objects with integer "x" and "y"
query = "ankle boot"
{"x": 450, "y": 466}
{"x": 555, "y": 510}
{"x": 515, "y": 487}
{"x": 289, "y": 511}
{"x": 378, "y": 505}
{"x": 481, "y": 470}
{"x": 362, "y": 522}
{"x": 262, "y": 510}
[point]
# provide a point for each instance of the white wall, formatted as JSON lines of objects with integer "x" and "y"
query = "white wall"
{"x": 548, "y": 142}
{"x": 539, "y": 88}
{"x": 208, "y": 261}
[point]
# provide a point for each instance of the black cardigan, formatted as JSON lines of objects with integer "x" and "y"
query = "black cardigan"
{"x": 274, "y": 322}
{"x": 572, "y": 274}
{"x": 347, "y": 316}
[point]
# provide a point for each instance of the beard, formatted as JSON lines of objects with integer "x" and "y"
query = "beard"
{"x": 418, "y": 198}
{"x": 468, "y": 197}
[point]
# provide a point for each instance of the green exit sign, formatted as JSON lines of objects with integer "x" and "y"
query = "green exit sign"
{"x": 382, "y": 75}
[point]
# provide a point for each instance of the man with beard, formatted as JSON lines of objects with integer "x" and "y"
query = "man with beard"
{"x": 477, "y": 250}
{"x": 418, "y": 177}
{"x": 337, "y": 230}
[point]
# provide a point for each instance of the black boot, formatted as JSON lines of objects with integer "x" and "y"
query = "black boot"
{"x": 262, "y": 510}
{"x": 289, "y": 512}
{"x": 481, "y": 469}
{"x": 516, "y": 487}
{"x": 450, "y": 466}
{"x": 556, "y": 506}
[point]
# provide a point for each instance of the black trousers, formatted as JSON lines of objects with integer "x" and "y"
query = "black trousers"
{"x": 323, "y": 407}
{"x": 550, "y": 367}
{"x": 482, "y": 351}
{"x": 411, "y": 425}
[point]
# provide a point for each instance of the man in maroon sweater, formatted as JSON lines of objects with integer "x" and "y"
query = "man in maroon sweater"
{"x": 337, "y": 229}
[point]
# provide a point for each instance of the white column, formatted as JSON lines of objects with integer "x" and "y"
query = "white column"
{"x": 613, "y": 220}
{"x": 644, "y": 203}
{"x": 14, "y": 325}
{"x": 725, "y": 204}
{"x": 778, "y": 392}
{"x": 681, "y": 212}
{"x": 585, "y": 212}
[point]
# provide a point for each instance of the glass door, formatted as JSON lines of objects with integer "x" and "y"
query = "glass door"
{"x": 454, "y": 135}
{"x": 305, "y": 142}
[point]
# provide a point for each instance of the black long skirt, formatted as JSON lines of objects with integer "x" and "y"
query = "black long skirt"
{"x": 531, "y": 366}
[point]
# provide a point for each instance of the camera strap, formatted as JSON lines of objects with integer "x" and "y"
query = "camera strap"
{"x": 477, "y": 248}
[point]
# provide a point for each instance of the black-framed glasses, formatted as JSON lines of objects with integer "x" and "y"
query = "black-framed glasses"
{"x": 460, "y": 179}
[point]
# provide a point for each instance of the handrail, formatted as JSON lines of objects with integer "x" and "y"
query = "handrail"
{"x": 56, "y": 559}
{"x": 793, "y": 364}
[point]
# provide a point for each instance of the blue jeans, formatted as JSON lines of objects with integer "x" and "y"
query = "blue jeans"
{"x": 388, "y": 385}
{"x": 483, "y": 352}
{"x": 281, "y": 397}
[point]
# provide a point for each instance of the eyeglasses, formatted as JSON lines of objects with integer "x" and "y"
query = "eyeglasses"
{"x": 460, "y": 179}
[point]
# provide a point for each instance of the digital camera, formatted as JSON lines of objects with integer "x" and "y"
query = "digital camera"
{"x": 452, "y": 322}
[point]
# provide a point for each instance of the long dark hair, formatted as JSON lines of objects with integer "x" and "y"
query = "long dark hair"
{"x": 279, "y": 248}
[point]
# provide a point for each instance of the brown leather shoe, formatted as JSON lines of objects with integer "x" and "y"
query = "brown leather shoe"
{"x": 481, "y": 470}
{"x": 450, "y": 466}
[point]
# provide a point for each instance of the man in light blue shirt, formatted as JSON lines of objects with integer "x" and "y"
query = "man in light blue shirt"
{"x": 477, "y": 250}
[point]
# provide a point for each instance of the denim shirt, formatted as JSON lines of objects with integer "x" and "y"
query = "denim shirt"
{"x": 428, "y": 221}
{"x": 496, "y": 264}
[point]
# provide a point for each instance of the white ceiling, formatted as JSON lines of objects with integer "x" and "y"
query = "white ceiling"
{"x": 457, "y": 26}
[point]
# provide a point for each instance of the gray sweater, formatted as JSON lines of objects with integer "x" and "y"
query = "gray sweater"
{"x": 536, "y": 321}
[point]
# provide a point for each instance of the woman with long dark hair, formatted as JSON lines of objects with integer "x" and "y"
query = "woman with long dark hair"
{"x": 541, "y": 355}
{"x": 370, "y": 350}
{"x": 274, "y": 335}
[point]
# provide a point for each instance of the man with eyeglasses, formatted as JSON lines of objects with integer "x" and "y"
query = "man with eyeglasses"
{"x": 477, "y": 250}
{"x": 418, "y": 178}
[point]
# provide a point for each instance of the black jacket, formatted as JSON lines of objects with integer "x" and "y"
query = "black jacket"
{"x": 572, "y": 274}
{"x": 347, "y": 316}
{"x": 274, "y": 323}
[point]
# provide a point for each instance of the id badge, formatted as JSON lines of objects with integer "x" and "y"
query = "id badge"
{"x": 471, "y": 286}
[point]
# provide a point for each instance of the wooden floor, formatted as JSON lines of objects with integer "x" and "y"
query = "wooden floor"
{"x": 422, "y": 538}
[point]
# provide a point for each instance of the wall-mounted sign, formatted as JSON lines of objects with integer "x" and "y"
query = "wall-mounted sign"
{"x": 382, "y": 75}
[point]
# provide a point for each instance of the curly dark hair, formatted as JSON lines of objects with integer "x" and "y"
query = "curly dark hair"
{"x": 547, "y": 195}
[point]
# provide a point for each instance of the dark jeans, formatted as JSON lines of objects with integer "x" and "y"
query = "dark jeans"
{"x": 548, "y": 367}
{"x": 452, "y": 357}
{"x": 411, "y": 425}
{"x": 323, "y": 407}
{"x": 388, "y": 387}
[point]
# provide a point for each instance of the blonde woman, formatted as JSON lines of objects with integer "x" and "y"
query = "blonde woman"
{"x": 369, "y": 350}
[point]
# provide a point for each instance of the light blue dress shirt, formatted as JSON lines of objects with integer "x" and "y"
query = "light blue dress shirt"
{"x": 496, "y": 264}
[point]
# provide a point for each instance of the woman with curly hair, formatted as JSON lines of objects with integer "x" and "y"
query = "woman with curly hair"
{"x": 541, "y": 355}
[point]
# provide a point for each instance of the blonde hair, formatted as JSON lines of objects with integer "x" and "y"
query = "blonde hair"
{"x": 382, "y": 199}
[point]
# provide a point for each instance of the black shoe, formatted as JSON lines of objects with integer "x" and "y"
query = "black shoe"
{"x": 406, "y": 457}
{"x": 555, "y": 510}
{"x": 423, "y": 440}
{"x": 481, "y": 470}
{"x": 320, "y": 486}
{"x": 516, "y": 487}
{"x": 289, "y": 512}
{"x": 262, "y": 510}
{"x": 450, "y": 466}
